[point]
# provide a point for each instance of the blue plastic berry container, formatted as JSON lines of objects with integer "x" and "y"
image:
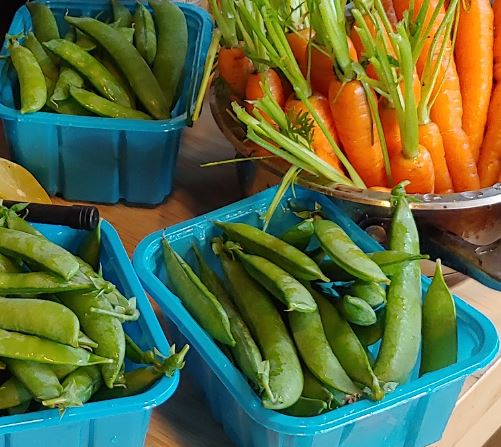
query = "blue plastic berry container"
{"x": 102, "y": 159}
{"x": 414, "y": 415}
{"x": 120, "y": 422}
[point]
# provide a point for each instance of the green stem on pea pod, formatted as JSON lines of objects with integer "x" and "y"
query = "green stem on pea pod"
{"x": 198, "y": 300}
{"x": 105, "y": 330}
{"x": 39, "y": 378}
{"x": 90, "y": 247}
{"x": 283, "y": 286}
{"x": 31, "y": 79}
{"x": 172, "y": 47}
{"x": 13, "y": 393}
{"x": 284, "y": 255}
{"x": 145, "y": 38}
{"x": 78, "y": 387}
{"x": 121, "y": 14}
{"x": 48, "y": 67}
{"x": 40, "y": 317}
{"x": 306, "y": 407}
{"x": 29, "y": 347}
{"x": 440, "y": 338}
{"x": 102, "y": 107}
{"x": 245, "y": 352}
{"x": 135, "y": 354}
{"x": 268, "y": 329}
{"x": 134, "y": 67}
{"x": 139, "y": 380}
{"x": 402, "y": 333}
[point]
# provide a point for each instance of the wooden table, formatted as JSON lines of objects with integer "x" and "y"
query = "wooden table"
{"x": 184, "y": 421}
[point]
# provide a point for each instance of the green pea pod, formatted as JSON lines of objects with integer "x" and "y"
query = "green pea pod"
{"x": 334, "y": 272}
{"x": 314, "y": 389}
{"x": 37, "y": 283}
{"x": 61, "y": 371}
{"x": 139, "y": 380}
{"x": 284, "y": 255}
{"x": 31, "y": 79}
{"x": 172, "y": 46}
{"x": 372, "y": 293}
{"x": 277, "y": 281}
{"x": 105, "y": 330}
{"x": 368, "y": 335}
{"x": 102, "y": 107}
{"x": 111, "y": 66}
{"x": 128, "y": 33}
{"x": 48, "y": 67}
{"x": 201, "y": 303}
{"x": 345, "y": 253}
{"x": 14, "y": 222}
{"x": 40, "y": 317}
{"x": 402, "y": 333}
{"x": 68, "y": 107}
{"x": 245, "y": 352}
{"x": 121, "y": 14}
{"x": 78, "y": 387}
{"x": 86, "y": 342}
{"x": 90, "y": 247}
{"x": 357, "y": 311}
{"x": 306, "y": 407}
{"x": 309, "y": 335}
{"x": 67, "y": 77}
{"x": 91, "y": 68}
{"x": 84, "y": 42}
{"x": 135, "y": 354}
{"x": 71, "y": 34}
{"x": 38, "y": 378}
{"x": 346, "y": 346}
{"x": 299, "y": 235}
{"x": 267, "y": 327}
{"x": 44, "y": 22}
{"x": 28, "y": 347}
{"x": 440, "y": 338}
{"x": 7, "y": 265}
{"x": 391, "y": 261}
{"x": 19, "y": 409}
{"x": 145, "y": 38}
{"x": 13, "y": 393}
{"x": 135, "y": 68}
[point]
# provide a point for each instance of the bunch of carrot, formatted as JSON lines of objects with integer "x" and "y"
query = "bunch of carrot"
{"x": 394, "y": 90}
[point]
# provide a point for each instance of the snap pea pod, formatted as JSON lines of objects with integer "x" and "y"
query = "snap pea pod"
{"x": 306, "y": 407}
{"x": 89, "y": 249}
{"x": 257, "y": 242}
{"x": 357, "y": 311}
{"x": 86, "y": 342}
{"x": 44, "y": 22}
{"x": 31, "y": 79}
{"x": 78, "y": 387}
{"x": 267, "y": 327}
{"x": 61, "y": 371}
{"x": 132, "y": 64}
{"x": 48, "y": 67}
{"x": 201, "y": 303}
{"x": 37, "y": 283}
{"x": 91, "y": 68}
{"x": 346, "y": 346}
{"x": 277, "y": 281}
{"x": 314, "y": 389}
{"x": 111, "y": 66}
{"x": 440, "y": 338}
{"x": 28, "y": 347}
{"x": 121, "y": 14}
{"x": 7, "y": 265}
{"x": 68, "y": 107}
{"x": 105, "y": 330}
{"x": 102, "y": 107}
{"x": 245, "y": 352}
{"x": 71, "y": 34}
{"x": 309, "y": 335}
{"x": 84, "y": 41}
{"x": 40, "y": 317}
{"x": 128, "y": 33}
{"x": 19, "y": 409}
{"x": 402, "y": 333}
{"x": 13, "y": 393}
{"x": 44, "y": 253}
{"x": 40, "y": 380}
{"x": 299, "y": 235}
{"x": 14, "y": 222}
{"x": 172, "y": 46}
{"x": 67, "y": 77}
{"x": 345, "y": 253}
{"x": 145, "y": 38}
{"x": 368, "y": 335}
{"x": 391, "y": 261}
{"x": 372, "y": 293}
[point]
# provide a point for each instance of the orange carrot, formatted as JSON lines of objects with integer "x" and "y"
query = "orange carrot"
{"x": 473, "y": 55}
{"x": 235, "y": 68}
{"x": 254, "y": 91}
{"x": 419, "y": 171}
{"x": 391, "y": 127}
{"x": 489, "y": 163}
{"x": 298, "y": 41}
{"x": 496, "y": 7}
{"x": 320, "y": 145}
{"x": 356, "y": 130}
{"x": 431, "y": 139}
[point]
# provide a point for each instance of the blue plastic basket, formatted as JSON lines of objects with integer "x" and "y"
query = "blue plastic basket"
{"x": 120, "y": 422}
{"x": 102, "y": 159}
{"x": 412, "y": 416}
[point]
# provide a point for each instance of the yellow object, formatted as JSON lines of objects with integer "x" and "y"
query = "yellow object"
{"x": 16, "y": 183}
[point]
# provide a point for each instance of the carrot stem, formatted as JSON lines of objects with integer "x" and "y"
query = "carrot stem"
{"x": 226, "y": 23}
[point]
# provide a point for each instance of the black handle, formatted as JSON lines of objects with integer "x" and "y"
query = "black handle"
{"x": 80, "y": 217}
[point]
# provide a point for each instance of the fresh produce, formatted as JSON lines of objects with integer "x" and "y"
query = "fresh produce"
{"x": 303, "y": 362}
{"x": 61, "y": 334}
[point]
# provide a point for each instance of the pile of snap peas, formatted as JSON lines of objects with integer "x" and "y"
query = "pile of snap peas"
{"x": 62, "y": 342}
{"x": 299, "y": 314}
{"x": 128, "y": 68}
